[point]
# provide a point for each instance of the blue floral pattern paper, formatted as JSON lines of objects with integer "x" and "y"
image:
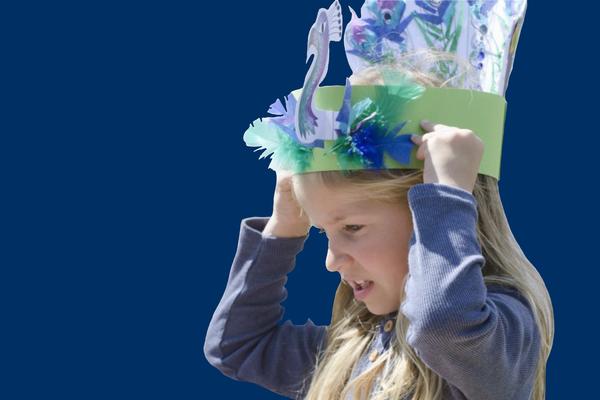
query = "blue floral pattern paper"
{"x": 483, "y": 33}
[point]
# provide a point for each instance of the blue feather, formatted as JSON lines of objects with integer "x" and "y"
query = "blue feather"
{"x": 400, "y": 148}
{"x": 344, "y": 113}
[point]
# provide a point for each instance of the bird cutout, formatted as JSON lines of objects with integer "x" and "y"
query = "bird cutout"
{"x": 326, "y": 28}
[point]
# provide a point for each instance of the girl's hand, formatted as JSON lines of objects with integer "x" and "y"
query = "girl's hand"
{"x": 452, "y": 155}
{"x": 287, "y": 220}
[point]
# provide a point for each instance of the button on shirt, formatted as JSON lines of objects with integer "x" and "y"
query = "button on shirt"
{"x": 388, "y": 326}
{"x": 381, "y": 342}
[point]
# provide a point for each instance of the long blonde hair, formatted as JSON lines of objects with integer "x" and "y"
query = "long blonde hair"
{"x": 399, "y": 373}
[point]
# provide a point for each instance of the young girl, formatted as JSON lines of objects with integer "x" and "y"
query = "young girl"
{"x": 436, "y": 300}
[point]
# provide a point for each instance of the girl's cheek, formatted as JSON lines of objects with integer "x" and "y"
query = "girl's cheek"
{"x": 363, "y": 246}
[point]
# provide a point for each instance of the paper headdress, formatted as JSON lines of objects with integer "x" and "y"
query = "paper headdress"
{"x": 369, "y": 126}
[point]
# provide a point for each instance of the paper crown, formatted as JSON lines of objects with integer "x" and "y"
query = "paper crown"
{"x": 354, "y": 127}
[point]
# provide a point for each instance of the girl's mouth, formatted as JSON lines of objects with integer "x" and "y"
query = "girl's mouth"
{"x": 361, "y": 291}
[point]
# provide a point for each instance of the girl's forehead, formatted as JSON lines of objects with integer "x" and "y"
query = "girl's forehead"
{"x": 314, "y": 188}
{"x": 338, "y": 197}
{"x": 329, "y": 210}
{"x": 333, "y": 220}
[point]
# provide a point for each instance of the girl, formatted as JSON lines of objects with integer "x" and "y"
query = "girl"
{"x": 436, "y": 300}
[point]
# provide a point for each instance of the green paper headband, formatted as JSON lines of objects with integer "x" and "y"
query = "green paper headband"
{"x": 481, "y": 112}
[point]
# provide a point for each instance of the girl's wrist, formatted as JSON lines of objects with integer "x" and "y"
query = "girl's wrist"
{"x": 275, "y": 227}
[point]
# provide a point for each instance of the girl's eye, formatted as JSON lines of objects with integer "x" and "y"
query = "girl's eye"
{"x": 349, "y": 228}
{"x": 353, "y": 228}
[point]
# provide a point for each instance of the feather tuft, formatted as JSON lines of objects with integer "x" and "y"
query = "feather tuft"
{"x": 285, "y": 152}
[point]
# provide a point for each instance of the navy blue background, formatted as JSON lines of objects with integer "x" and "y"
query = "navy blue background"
{"x": 125, "y": 177}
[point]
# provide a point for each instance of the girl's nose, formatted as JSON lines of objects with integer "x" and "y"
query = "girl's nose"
{"x": 336, "y": 260}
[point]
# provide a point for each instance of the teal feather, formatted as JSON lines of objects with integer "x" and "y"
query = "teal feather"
{"x": 286, "y": 153}
{"x": 397, "y": 91}
{"x": 359, "y": 109}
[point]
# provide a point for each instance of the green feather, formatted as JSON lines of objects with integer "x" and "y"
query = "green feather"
{"x": 285, "y": 152}
{"x": 398, "y": 90}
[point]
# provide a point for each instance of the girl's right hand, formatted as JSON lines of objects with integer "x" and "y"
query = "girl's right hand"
{"x": 288, "y": 219}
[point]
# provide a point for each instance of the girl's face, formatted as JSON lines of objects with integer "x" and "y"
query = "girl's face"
{"x": 368, "y": 241}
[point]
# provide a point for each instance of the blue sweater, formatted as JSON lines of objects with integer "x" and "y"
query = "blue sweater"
{"x": 482, "y": 340}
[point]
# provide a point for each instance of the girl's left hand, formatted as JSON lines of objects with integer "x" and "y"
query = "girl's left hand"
{"x": 452, "y": 155}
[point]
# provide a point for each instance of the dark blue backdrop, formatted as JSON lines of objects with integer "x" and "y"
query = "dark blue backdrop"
{"x": 125, "y": 178}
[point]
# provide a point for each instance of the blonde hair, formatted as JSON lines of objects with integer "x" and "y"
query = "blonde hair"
{"x": 399, "y": 371}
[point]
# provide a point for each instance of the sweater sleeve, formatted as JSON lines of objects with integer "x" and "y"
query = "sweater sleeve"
{"x": 485, "y": 345}
{"x": 246, "y": 339}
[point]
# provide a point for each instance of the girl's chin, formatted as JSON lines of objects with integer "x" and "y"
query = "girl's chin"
{"x": 379, "y": 309}
{"x": 373, "y": 309}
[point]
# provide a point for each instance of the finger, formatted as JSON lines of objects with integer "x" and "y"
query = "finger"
{"x": 421, "y": 151}
{"x": 417, "y": 140}
{"x": 427, "y": 125}
{"x": 283, "y": 174}
{"x": 431, "y": 126}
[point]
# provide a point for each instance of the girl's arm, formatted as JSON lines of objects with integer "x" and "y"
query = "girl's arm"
{"x": 246, "y": 339}
{"x": 484, "y": 344}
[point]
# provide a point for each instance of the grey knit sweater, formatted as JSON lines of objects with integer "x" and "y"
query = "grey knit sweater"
{"x": 482, "y": 340}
